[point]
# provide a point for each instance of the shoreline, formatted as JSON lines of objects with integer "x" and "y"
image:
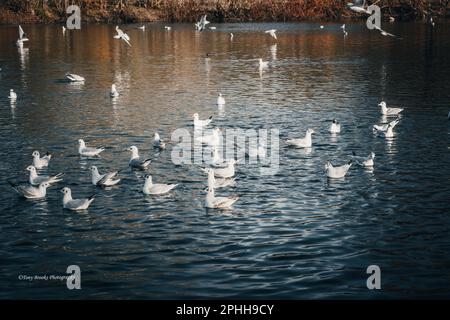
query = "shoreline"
{"x": 232, "y": 11}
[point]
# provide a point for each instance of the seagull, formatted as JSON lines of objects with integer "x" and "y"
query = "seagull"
{"x": 141, "y": 28}
{"x": 335, "y": 126}
{"x": 35, "y": 180}
{"x": 337, "y": 172}
{"x": 88, "y": 151}
{"x": 22, "y": 37}
{"x": 218, "y": 183}
{"x": 156, "y": 188}
{"x": 200, "y": 124}
{"x": 135, "y": 162}
{"x": 167, "y": 28}
{"x": 321, "y": 27}
{"x": 431, "y": 21}
{"x": 263, "y": 64}
{"x": 343, "y": 30}
{"x": 391, "y": 19}
{"x": 272, "y": 33}
{"x": 12, "y": 95}
{"x": 224, "y": 172}
{"x": 358, "y": 9}
{"x": 389, "y": 133}
{"x": 202, "y": 23}
{"x": 305, "y": 142}
{"x": 214, "y": 202}
{"x": 64, "y": 30}
{"x": 231, "y": 36}
{"x": 75, "y": 204}
{"x": 114, "y": 93}
{"x": 389, "y": 111}
{"x": 158, "y": 143}
{"x": 103, "y": 180}
{"x": 384, "y": 127}
{"x": 39, "y": 162}
{"x": 384, "y": 33}
{"x": 74, "y": 77}
{"x": 122, "y": 36}
{"x": 220, "y": 100}
{"x": 212, "y": 139}
{"x": 31, "y": 192}
{"x": 212, "y": 28}
{"x": 364, "y": 161}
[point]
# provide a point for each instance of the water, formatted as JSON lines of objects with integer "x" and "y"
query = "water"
{"x": 291, "y": 235}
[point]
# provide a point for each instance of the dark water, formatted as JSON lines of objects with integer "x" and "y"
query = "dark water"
{"x": 291, "y": 235}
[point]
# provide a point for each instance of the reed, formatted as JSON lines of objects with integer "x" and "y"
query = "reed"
{"x": 13, "y": 11}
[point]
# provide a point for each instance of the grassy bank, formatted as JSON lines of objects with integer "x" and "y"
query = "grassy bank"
{"x": 126, "y": 11}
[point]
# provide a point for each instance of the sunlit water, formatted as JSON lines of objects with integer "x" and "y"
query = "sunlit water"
{"x": 291, "y": 235}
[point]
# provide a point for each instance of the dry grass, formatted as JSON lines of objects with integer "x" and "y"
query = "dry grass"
{"x": 13, "y": 11}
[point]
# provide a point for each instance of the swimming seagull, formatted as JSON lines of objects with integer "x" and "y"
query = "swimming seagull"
{"x": 321, "y": 27}
{"x": 74, "y": 77}
{"x": 75, "y": 204}
{"x": 389, "y": 111}
{"x": 337, "y": 172}
{"x": 389, "y": 133}
{"x": 39, "y": 162}
{"x": 103, "y": 180}
{"x": 31, "y": 192}
{"x": 211, "y": 139}
{"x": 224, "y": 172}
{"x": 431, "y": 21}
{"x": 335, "y": 126}
{"x": 384, "y": 33}
{"x": 358, "y": 9}
{"x": 384, "y": 127}
{"x": 199, "y": 124}
{"x": 218, "y": 183}
{"x": 220, "y": 100}
{"x": 35, "y": 179}
{"x": 156, "y": 188}
{"x": 305, "y": 142}
{"x": 167, "y": 28}
{"x": 263, "y": 64}
{"x": 113, "y": 93}
{"x": 212, "y": 28}
{"x": 364, "y": 161}
{"x": 88, "y": 151}
{"x": 12, "y": 95}
{"x": 22, "y": 37}
{"x": 63, "y": 30}
{"x": 272, "y": 33}
{"x": 141, "y": 28}
{"x": 343, "y": 30}
{"x": 231, "y": 36}
{"x": 214, "y": 202}
{"x": 122, "y": 36}
{"x": 135, "y": 162}
{"x": 158, "y": 143}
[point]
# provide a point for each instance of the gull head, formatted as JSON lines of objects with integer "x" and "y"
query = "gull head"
{"x": 93, "y": 169}
{"x": 382, "y": 104}
{"x": 220, "y": 94}
{"x": 44, "y": 185}
{"x": 157, "y": 136}
{"x": 372, "y": 155}
{"x": 81, "y": 142}
{"x": 31, "y": 169}
{"x": 335, "y": 121}
{"x": 132, "y": 149}
{"x": 148, "y": 178}
{"x": 195, "y": 115}
{"x": 328, "y": 165}
{"x": 66, "y": 190}
{"x": 310, "y": 131}
{"x": 36, "y": 154}
{"x": 11, "y": 90}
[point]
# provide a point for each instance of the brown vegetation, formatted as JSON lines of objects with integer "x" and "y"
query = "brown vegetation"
{"x": 14, "y": 11}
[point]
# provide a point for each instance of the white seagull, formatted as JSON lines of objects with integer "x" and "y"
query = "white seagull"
{"x": 31, "y": 192}
{"x": 364, "y": 161}
{"x": 213, "y": 202}
{"x": 88, "y": 151}
{"x": 384, "y": 33}
{"x": 305, "y": 142}
{"x": 337, "y": 172}
{"x": 202, "y": 23}
{"x": 122, "y": 36}
{"x": 218, "y": 183}
{"x": 227, "y": 171}
{"x": 156, "y": 188}
{"x": 211, "y": 139}
{"x": 75, "y": 204}
{"x": 220, "y": 100}
{"x": 63, "y": 30}
{"x": 158, "y": 143}
{"x": 12, "y": 95}
{"x": 199, "y": 124}
{"x": 272, "y": 33}
{"x": 335, "y": 126}
{"x": 103, "y": 180}
{"x": 35, "y": 179}
{"x": 74, "y": 77}
{"x": 231, "y": 36}
{"x": 22, "y": 37}
{"x": 113, "y": 93}
{"x": 358, "y": 9}
{"x": 135, "y": 162}
{"x": 140, "y": 27}
{"x": 389, "y": 111}
{"x": 389, "y": 133}
{"x": 384, "y": 127}
{"x": 39, "y": 162}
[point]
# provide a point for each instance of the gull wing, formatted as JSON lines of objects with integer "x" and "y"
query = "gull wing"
{"x": 21, "y": 33}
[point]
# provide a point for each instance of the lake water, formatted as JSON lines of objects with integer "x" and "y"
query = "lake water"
{"x": 294, "y": 234}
